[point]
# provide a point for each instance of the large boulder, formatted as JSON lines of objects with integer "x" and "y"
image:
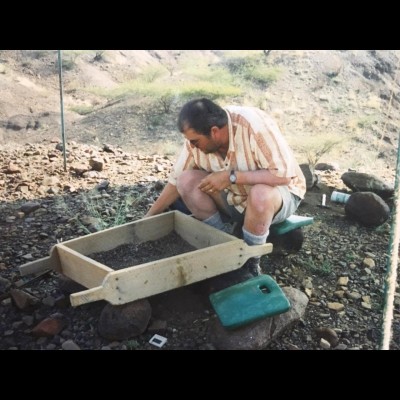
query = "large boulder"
{"x": 367, "y": 208}
{"x": 361, "y": 182}
{"x": 259, "y": 334}
{"x": 124, "y": 321}
{"x": 309, "y": 174}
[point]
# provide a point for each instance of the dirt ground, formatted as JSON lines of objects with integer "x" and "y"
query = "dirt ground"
{"x": 130, "y": 254}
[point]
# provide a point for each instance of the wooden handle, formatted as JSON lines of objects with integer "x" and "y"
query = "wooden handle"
{"x": 258, "y": 250}
{"x": 87, "y": 296}
{"x": 36, "y": 266}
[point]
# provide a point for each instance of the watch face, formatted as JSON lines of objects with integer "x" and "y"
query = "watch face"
{"x": 232, "y": 177}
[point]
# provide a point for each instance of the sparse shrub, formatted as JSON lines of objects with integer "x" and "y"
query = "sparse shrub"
{"x": 154, "y": 119}
{"x": 253, "y": 68}
{"x": 167, "y": 100}
{"x": 314, "y": 154}
{"x": 171, "y": 68}
{"x": 68, "y": 59}
{"x": 323, "y": 269}
{"x": 208, "y": 89}
{"x": 182, "y": 90}
{"x": 82, "y": 110}
{"x": 150, "y": 74}
{"x": 100, "y": 211}
{"x": 338, "y": 109}
{"x": 262, "y": 75}
{"x": 315, "y": 147}
{"x": 99, "y": 55}
{"x": 68, "y": 63}
{"x": 132, "y": 344}
{"x": 38, "y": 54}
{"x": 366, "y": 122}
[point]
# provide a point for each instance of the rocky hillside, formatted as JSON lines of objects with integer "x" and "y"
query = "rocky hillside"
{"x": 131, "y": 97}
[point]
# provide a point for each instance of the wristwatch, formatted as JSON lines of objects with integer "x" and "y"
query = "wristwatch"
{"x": 232, "y": 176}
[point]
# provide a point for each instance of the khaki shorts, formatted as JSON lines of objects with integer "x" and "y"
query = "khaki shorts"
{"x": 290, "y": 203}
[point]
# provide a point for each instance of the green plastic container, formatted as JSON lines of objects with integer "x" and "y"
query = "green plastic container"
{"x": 293, "y": 222}
{"x": 248, "y": 301}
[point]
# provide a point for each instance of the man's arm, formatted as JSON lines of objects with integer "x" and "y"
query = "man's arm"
{"x": 167, "y": 197}
{"x": 220, "y": 180}
{"x": 261, "y": 176}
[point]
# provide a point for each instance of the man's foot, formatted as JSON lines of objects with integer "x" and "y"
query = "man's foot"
{"x": 252, "y": 265}
{"x": 249, "y": 270}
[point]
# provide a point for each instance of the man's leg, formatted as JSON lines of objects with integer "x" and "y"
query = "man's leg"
{"x": 203, "y": 206}
{"x": 263, "y": 203}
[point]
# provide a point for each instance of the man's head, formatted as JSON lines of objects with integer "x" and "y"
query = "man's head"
{"x": 201, "y": 115}
{"x": 201, "y": 121}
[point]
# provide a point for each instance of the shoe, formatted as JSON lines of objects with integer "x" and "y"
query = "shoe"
{"x": 252, "y": 266}
{"x": 249, "y": 270}
{"x": 228, "y": 279}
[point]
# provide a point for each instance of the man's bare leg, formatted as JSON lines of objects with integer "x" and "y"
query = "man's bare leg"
{"x": 204, "y": 206}
{"x": 262, "y": 204}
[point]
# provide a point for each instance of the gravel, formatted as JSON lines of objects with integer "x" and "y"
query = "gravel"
{"x": 341, "y": 267}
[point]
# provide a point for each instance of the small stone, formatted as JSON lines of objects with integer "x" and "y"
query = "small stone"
{"x": 41, "y": 341}
{"x": 366, "y": 305}
{"x": 49, "y": 301}
{"x": 50, "y": 326}
{"x": 157, "y": 326}
{"x": 17, "y": 324}
{"x": 367, "y": 271}
{"x": 334, "y": 306}
{"x": 308, "y": 291}
{"x": 28, "y": 320}
{"x": 340, "y": 346}
{"x": 70, "y": 345}
{"x": 23, "y": 300}
{"x": 207, "y": 346}
{"x": 328, "y": 334}
{"x": 343, "y": 281}
{"x": 5, "y": 284}
{"x": 339, "y": 293}
{"x": 6, "y": 302}
{"x": 368, "y": 262}
{"x": 307, "y": 283}
{"x": 353, "y": 295}
{"x": 324, "y": 344}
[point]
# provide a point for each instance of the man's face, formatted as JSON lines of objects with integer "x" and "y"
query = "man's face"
{"x": 204, "y": 143}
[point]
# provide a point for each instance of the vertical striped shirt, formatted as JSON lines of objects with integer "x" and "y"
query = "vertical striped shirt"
{"x": 255, "y": 142}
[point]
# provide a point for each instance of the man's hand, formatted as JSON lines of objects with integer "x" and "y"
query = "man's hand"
{"x": 215, "y": 182}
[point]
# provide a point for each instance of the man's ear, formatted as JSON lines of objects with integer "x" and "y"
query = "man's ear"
{"x": 214, "y": 133}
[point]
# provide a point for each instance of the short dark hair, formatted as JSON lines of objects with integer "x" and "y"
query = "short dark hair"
{"x": 201, "y": 115}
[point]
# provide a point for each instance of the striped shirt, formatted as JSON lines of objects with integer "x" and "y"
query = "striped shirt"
{"x": 255, "y": 142}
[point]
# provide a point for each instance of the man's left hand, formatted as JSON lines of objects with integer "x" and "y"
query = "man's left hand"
{"x": 215, "y": 182}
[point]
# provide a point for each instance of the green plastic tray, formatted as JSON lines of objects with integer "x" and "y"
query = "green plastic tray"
{"x": 248, "y": 301}
{"x": 293, "y": 222}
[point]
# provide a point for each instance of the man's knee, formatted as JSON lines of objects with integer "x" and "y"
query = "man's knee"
{"x": 263, "y": 198}
{"x": 187, "y": 181}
